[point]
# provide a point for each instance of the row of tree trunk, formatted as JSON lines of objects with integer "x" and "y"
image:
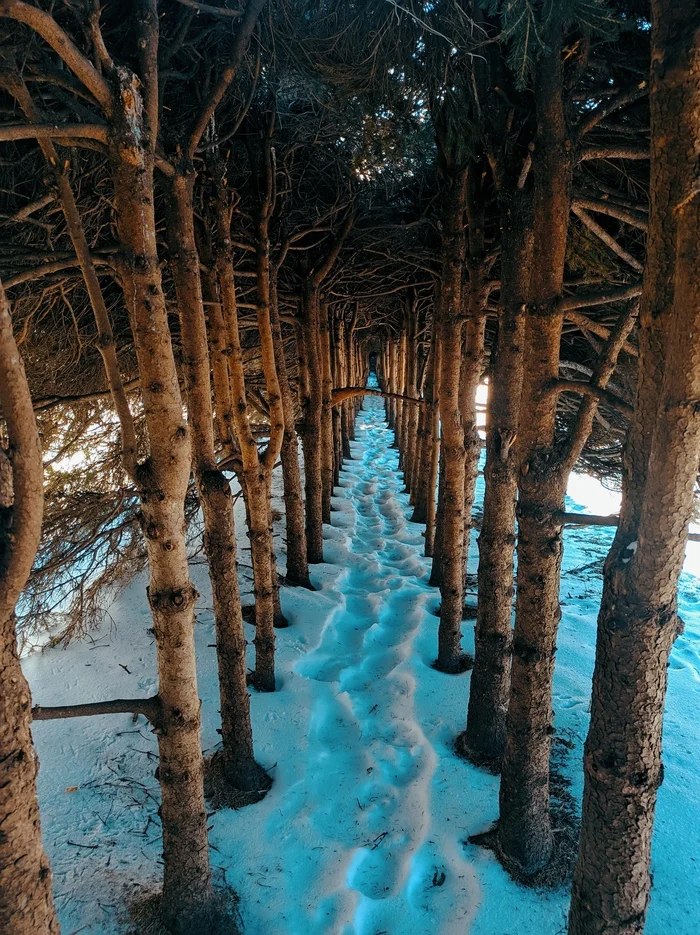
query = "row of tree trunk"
{"x": 528, "y": 462}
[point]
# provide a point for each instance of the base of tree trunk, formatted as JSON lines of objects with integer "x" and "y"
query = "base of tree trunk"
{"x": 261, "y": 681}
{"x": 492, "y": 764}
{"x": 463, "y": 663}
{"x": 217, "y": 915}
{"x": 234, "y": 785}
{"x": 280, "y": 622}
{"x": 298, "y": 582}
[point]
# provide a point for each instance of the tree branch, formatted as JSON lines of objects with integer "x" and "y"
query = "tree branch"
{"x": 55, "y": 131}
{"x": 621, "y": 99}
{"x": 46, "y": 26}
{"x": 609, "y": 241}
{"x": 243, "y": 37}
{"x": 151, "y": 708}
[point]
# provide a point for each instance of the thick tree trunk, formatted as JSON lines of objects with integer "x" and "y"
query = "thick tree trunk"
{"x": 524, "y": 829}
{"x": 26, "y": 900}
{"x": 162, "y": 483}
{"x": 637, "y": 621}
{"x": 451, "y": 505}
{"x": 484, "y": 739}
{"x": 215, "y": 495}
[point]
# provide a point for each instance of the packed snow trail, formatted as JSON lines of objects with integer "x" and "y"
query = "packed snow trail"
{"x": 363, "y": 802}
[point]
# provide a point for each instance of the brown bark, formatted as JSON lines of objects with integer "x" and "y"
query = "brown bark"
{"x": 297, "y": 561}
{"x": 451, "y": 503}
{"x": 637, "y": 620}
{"x": 411, "y": 409}
{"x": 256, "y": 468}
{"x": 324, "y": 346}
{"x": 484, "y": 738}
{"x": 162, "y": 482}
{"x": 312, "y": 424}
{"x": 524, "y": 830}
{"x": 474, "y": 334}
{"x": 215, "y": 494}
{"x": 434, "y": 451}
{"x": 26, "y": 900}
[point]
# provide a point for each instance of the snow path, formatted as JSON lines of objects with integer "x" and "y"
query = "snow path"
{"x": 363, "y": 830}
{"x": 369, "y": 766}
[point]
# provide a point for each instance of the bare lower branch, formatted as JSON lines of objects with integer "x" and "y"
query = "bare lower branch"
{"x": 54, "y": 131}
{"x": 46, "y": 26}
{"x": 151, "y": 708}
{"x": 591, "y": 519}
{"x": 587, "y": 389}
{"x": 609, "y": 241}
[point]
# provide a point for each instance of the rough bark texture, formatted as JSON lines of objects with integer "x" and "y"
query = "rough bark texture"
{"x": 297, "y": 561}
{"x": 524, "y": 830}
{"x": 311, "y": 432}
{"x": 26, "y": 901}
{"x": 215, "y": 494}
{"x": 257, "y": 468}
{"x": 452, "y": 489}
{"x": 162, "y": 482}
{"x": 324, "y": 345}
{"x": 637, "y": 621}
{"x": 474, "y": 334}
{"x": 484, "y": 738}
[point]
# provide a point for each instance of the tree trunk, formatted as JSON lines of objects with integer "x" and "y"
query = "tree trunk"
{"x": 484, "y": 739}
{"x": 257, "y": 468}
{"x": 215, "y": 495}
{"x": 452, "y": 503}
{"x": 637, "y": 621}
{"x": 524, "y": 829}
{"x": 324, "y": 345}
{"x": 297, "y": 561}
{"x": 162, "y": 483}
{"x": 472, "y": 371}
{"x": 26, "y": 900}
{"x": 311, "y": 436}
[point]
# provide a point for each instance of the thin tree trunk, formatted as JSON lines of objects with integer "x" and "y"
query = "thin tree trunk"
{"x": 474, "y": 334}
{"x": 638, "y": 615}
{"x": 424, "y": 455}
{"x": 26, "y": 900}
{"x": 484, "y": 739}
{"x": 257, "y": 468}
{"x": 324, "y": 344}
{"x": 450, "y": 658}
{"x": 311, "y": 437}
{"x": 215, "y": 495}
{"x": 297, "y": 561}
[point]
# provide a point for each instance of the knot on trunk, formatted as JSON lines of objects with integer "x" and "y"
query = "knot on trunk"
{"x": 215, "y": 482}
{"x": 172, "y": 600}
{"x": 527, "y": 653}
{"x": 506, "y": 437}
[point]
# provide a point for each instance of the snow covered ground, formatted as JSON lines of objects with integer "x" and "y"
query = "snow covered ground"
{"x": 363, "y": 831}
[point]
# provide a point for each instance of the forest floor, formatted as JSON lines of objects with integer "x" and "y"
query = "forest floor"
{"x": 364, "y": 831}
